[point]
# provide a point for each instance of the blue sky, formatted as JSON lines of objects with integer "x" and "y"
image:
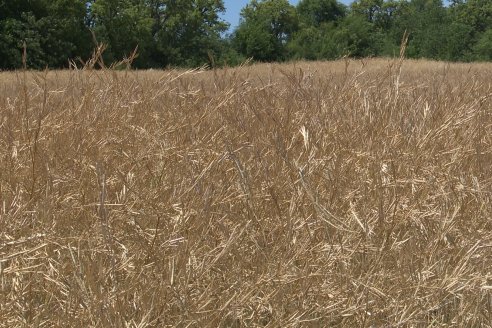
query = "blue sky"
{"x": 233, "y": 8}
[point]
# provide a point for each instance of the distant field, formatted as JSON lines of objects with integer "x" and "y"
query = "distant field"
{"x": 338, "y": 194}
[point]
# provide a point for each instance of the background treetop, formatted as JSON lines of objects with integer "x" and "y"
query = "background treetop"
{"x": 192, "y": 33}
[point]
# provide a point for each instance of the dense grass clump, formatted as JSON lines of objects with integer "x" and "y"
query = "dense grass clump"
{"x": 343, "y": 194}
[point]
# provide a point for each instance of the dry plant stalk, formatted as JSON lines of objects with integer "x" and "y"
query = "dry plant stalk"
{"x": 341, "y": 194}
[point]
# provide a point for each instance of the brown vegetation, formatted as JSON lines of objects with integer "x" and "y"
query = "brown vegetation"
{"x": 353, "y": 193}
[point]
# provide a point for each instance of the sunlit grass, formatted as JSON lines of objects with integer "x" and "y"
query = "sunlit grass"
{"x": 350, "y": 193}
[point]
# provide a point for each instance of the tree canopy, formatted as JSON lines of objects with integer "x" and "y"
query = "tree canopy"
{"x": 192, "y": 32}
{"x": 265, "y": 29}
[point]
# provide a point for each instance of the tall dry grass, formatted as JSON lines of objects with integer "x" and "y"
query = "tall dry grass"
{"x": 345, "y": 194}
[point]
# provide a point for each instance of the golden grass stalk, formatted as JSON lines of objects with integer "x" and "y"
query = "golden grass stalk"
{"x": 336, "y": 194}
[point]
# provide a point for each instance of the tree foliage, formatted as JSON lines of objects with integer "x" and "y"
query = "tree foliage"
{"x": 53, "y": 32}
{"x": 167, "y": 32}
{"x": 265, "y": 29}
{"x": 122, "y": 25}
{"x": 192, "y": 32}
{"x": 317, "y": 12}
{"x": 186, "y": 32}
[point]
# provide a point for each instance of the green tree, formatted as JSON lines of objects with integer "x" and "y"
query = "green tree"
{"x": 227, "y": 55}
{"x": 474, "y": 13}
{"x": 427, "y": 23}
{"x": 306, "y": 44}
{"x": 459, "y": 41}
{"x": 318, "y": 22}
{"x": 483, "y": 48}
{"x": 122, "y": 25}
{"x": 64, "y": 33}
{"x": 317, "y": 12}
{"x": 370, "y": 9}
{"x": 53, "y": 32}
{"x": 265, "y": 29}
{"x": 470, "y": 20}
{"x": 186, "y": 32}
{"x": 356, "y": 37}
{"x": 15, "y": 33}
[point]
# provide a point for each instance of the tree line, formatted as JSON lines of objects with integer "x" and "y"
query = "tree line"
{"x": 192, "y": 33}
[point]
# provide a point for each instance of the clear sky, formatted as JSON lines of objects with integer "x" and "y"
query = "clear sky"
{"x": 233, "y": 8}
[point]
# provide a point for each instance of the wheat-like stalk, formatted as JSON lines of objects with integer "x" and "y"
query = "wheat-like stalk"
{"x": 335, "y": 194}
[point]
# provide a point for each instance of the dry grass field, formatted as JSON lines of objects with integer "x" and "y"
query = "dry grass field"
{"x": 342, "y": 194}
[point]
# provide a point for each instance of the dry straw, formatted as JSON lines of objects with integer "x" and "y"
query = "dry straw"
{"x": 343, "y": 194}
